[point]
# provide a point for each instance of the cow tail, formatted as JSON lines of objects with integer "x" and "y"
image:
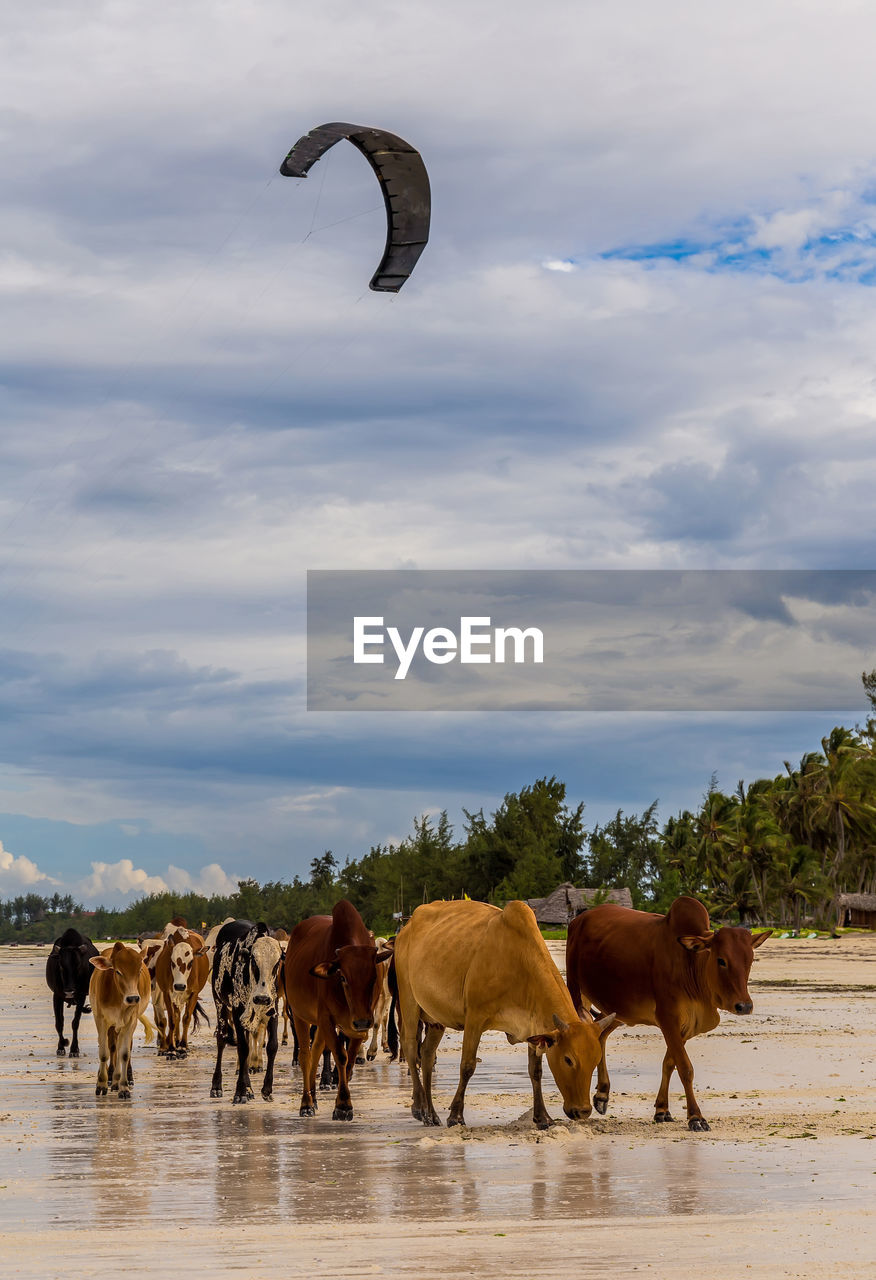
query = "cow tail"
{"x": 147, "y": 1027}
{"x": 391, "y": 1027}
{"x": 200, "y": 1012}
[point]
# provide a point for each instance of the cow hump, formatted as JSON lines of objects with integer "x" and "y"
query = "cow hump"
{"x": 688, "y": 916}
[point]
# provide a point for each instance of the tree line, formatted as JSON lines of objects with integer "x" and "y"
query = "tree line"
{"x": 776, "y": 851}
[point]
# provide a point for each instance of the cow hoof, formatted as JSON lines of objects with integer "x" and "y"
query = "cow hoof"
{"x": 326, "y": 1086}
{"x": 546, "y": 1123}
{"x": 268, "y": 1097}
{"x": 307, "y": 1111}
{"x": 369, "y": 1057}
{"x": 74, "y": 1053}
{"x": 215, "y": 1093}
{"x": 698, "y": 1125}
{"x": 360, "y": 1061}
{"x": 342, "y": 1113}
{"x": 100, "y": 1091}
{"x": 600, "y": 1104}
{"x": 61, "y": 1052}
{"x": 241, "y": 1097}
{"x": 453, "y": 1121}
{"x": 125, "y": 1093}
{"x": 662, "y": 1117}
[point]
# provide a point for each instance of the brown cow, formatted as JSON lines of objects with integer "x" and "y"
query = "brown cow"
{"x": 181, "y": 970}
{"x": 670, "y": 972}
{"x": 471, "y": 967}
{"x": 331, "y": 983}
{"x": 119, "y": 994}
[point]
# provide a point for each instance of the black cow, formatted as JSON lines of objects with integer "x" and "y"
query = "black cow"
{"x": 68, "y": 973}
{"x": 246, "y": 965}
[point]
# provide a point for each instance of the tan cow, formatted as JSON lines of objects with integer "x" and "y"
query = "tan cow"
{"x": 181, "y": 970}
{"x": 471, "y": 967}
{"x": 381, "y": 1009}
{"x": 119, "y": 994}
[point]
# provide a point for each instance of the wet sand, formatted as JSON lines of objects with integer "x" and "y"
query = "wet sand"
{"x": 783, "y": 1185}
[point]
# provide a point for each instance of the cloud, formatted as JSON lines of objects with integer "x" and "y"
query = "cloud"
{"x": 18, "y": 873}
{"x": 109, "y": 881}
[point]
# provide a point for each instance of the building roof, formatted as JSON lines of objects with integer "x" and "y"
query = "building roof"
{"x": 857, "y": 901}
{"x": 561, "y": 906}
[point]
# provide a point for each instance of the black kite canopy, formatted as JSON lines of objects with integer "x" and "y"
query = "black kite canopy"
{"x": 403, "y": 181}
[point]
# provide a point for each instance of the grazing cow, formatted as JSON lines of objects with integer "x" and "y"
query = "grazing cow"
{"x": 670, "y": 972}
{"x": 471, "y": 967}
{"x": 332, "y": 984}
{"x": 245, "y": 971}
{"x": 119, "y": 994}
{"x": 68, "y": 974}
{"x": 181, "y": 970}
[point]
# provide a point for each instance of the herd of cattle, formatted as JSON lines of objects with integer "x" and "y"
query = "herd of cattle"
{"x": 462, "y": 965}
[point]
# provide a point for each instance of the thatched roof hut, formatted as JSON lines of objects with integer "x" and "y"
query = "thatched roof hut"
{"x": 857, "y": 910}
{"x": 558, "y": 908}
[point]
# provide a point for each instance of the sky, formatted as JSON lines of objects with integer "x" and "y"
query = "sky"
{"x": 641, "y": 337}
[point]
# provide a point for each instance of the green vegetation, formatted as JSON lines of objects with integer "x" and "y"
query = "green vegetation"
{"x": 777, "y": 852}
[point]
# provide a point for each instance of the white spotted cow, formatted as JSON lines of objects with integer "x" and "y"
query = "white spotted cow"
{"x": 245, "y": 970}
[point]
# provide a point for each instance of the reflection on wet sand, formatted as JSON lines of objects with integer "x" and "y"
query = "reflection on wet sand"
{"x": 174, "y": 1156}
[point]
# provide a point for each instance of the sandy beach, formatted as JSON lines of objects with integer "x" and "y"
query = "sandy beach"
{"x": 783, "y": 1185}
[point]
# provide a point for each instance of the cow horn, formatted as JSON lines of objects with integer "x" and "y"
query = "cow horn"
{"x": 560, "y": 1025}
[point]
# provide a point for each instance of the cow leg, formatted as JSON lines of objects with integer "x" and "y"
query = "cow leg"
{"x": 540, "y": 1117}
{"x": 160, "y": 1021}
{"x": 112, "y": 1036}
{"x": 286, "y": 1026}
{"x": 676, "y": 1055}
{"x": 243, "y": 1092}
{"x": 327, "y": 1077}
{"x": 305, "y": 1060}
{"x": 603, "y": 1083}
{"x": 268, "y": 1083}
{"x": 354, "y": 1055}
{"x": 103, "y": 1054}
{"x": 223, "y": 1037}
{"x": 58, "y": 1002}
{"x": 661, "y": 1105}
{"x": 188, "y": 1010}
{"x": 77, "y": 1018}
{"x": 471, "y": 1038}
{"x": 371, "y": 1052}
{"x": 343, "y": 1109}
{"x": 122, "y": 1073}
{"x": 428, "y": 1054}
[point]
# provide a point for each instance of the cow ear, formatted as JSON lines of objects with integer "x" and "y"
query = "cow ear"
{"x": 541, "y": 1044}
{"x": 695, "y": 942}
{"x": 383, "y": 955}
{"x": 758, "y": 938}
{"x": 100, "y": 962}
{"x": 324, "y": 969}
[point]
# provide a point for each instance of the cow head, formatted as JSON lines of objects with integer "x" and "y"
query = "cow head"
{"x": 728, "y": 958}
{"x": 125, "y": 966}
{"x": 573, "y": 1052}
{"x": 354, "y": 969}
{"x": 182, "y": 958}
{"x": 266, "y": 956}
{"x": 70, "y": 958}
